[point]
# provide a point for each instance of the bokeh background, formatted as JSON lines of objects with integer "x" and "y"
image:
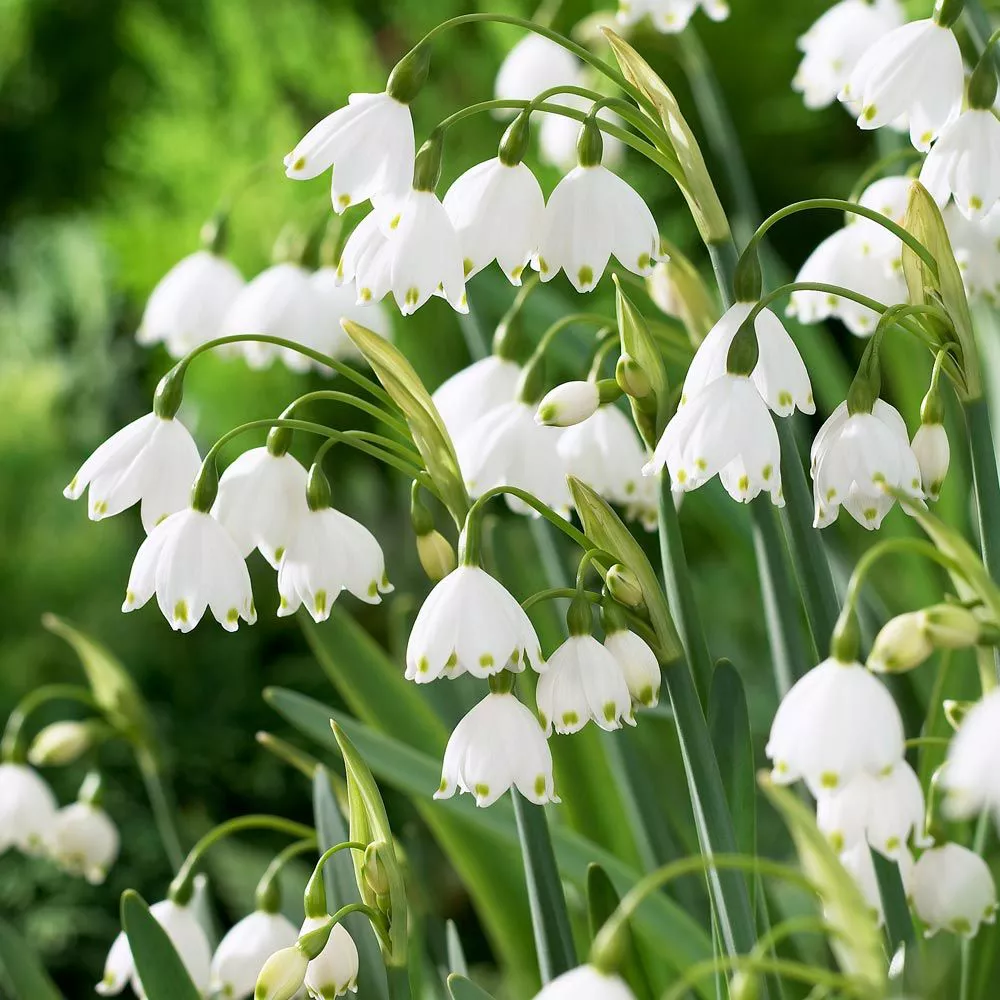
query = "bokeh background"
{"x": 123, "y": 123}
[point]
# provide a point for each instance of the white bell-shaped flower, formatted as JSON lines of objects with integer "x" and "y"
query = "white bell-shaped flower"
{"x": 497, "y": 746}
{"x": 247, "y": 945}
{"x": 568, "y": 404}
{"x": 27, "y": 809}
{"x": 337, "y": 301}
{"x": 583, "y": 681}
{"x": 152, "y": 461}
{"x": 262, "y": 498}
{"x": 725, "y": 430}
{"x": 282, "y": 975}
{"x": 334, "y": 970}
{"x": 470, "y": 624}
{"x": 952, "y": 889}
{"x": 915, "y": 71}
{"x": 836, "y": 41}
{"x": 877, "y": 809}
{"x": 482, "y": 386}
{"x": 84, "y": 841}
{"x": 535, "y": 64}
{"x": 366, "y": 261}
{"x": 187, "y": 306}
{"x": 780, "y": 374}
{"x": 370, "y": 145}
{"x": 854, "y": 457}
{"x": 963, "y": 163}
{"x": 669, "y": 16}
{"x": 836, "y": 722}
{"x": 977, "y": 251}
{"x": 506, "y": 447}
{"x": 933, "y": 452}
{"x": 186, "y": 935}
{"x": 971, "y": 777}
{"x": 558, "y": 134}
{"x": 638, "y": 664}
{"x": 586, "y": 982}
{"x": 592, "y": 214}
{"x": 191, "y": 564}
{"x": 497, "y": 211}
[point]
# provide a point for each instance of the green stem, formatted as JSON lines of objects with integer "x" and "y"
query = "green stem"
{"x": 769, "y": 966}
{"x": 398, "y": 978}
{"x": 12, "y": 747}
{"x": 163, "y": 814}
{"x": 268, "y": 891}
{"x": 898, "y": 921}
{"x": 476, "y": 511}
{"x": 332, "y": 395}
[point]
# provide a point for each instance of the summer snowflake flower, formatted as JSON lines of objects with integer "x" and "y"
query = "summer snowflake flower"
{"x": 977, "y": 251}
{"x": 670, "y": 16}
{"x": 241, "y": 954}
{"x": 854, "y": 457}
{"x": 952, "y": 890}
{"x": 335, "y": 302}
{"x": 369, "y": 144}
{"x": 638, "y": 664}
{"x": 83, "y": 841}
{"x": 191, "y": 564}
{"x": 583, "y": 681}
{"x": 187, "y": 306}
{"x": 261, "y": 499}
{"x": 498, "y": 745}
{"x": 27, "y": 809}
{"x": 469, "y": 624}
{"x": 152, "y": 461}
{"x": 971, "y": 777}
{"x": 497, "y": 211}
{"x": 506, "y": 447}
{"x": 186, "y": 935}
{"x": 780, "y": 375}
{"x": 725, "y": 430}
{"x": 837, "y": 721}
{"x": 334, "y": 970}
{"x": 933, "y": 453}
{"x": 586, "y": 983}
{"x": 535, "y": 64}
{"x": 833, "y": 45}
{"x": 915, "y": 71}
{"x": 474, "y": 391}
{"x": 964, "y": 163}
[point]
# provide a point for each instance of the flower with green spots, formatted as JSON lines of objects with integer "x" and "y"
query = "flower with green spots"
{"x": 638, "y": 665}
{"x": 244, "y": 950}
{"x": 334, "y": 971}
{"x": 971, "y": 778}
{"x": 933, "y": 452}
{"x": 669, "y": 16}
{"x": 192, "y": 565}
{"x": 27, "y": 809}
{"x": 962, "y": 164}
{"x": 952, "y": 889}
{"x": 499, "y": 745}
{"x": 83, "y": 840}
{"x": 568, "y": 404}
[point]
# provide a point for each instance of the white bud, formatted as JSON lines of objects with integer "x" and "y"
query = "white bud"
{"x": 638, "y": 663}
{"x": 84, "y": 841}
{"x": 568, "y": 404}
{"x": 901, "y": 645}
{"x": 282, "y": 976}
{"x": 930, "y": 445}
{"x": 60, "y": 743}
{"x": 437, "y": 557}
{"x": 952, "y": 889}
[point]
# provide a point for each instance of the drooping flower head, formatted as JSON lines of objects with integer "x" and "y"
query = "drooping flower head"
{"x": 962, "y": 163}
{"x": 952, "y": 890}
{"x": 334, "y": 971}
{"x": 669, "y": 16}
{"x": 970, "y": 777}
{"x": 83, "y": 840}
{"x": 27, "y": 809}
{"x": 247, "y": 945}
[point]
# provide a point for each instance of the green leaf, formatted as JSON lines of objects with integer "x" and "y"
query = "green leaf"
{"x": 22, "y": 968}
{"x": 898, "y": 919}
{"x": 159, "y": 967}
{"x": 403, "y": 384}
{"x": 462, "y": 988}
{"x": 456, "y": 954}
{"x": 602, "y": 901}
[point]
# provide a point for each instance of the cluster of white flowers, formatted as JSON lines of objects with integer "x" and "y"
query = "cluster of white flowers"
{"x": 669, "y": 16}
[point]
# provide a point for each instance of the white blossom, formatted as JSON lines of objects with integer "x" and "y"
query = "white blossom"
{"x": 469, "y": 624}
{"x": 836, "y": 722}
{"x": 186, "y": 935}
{"x": 370, "y": 145}
{"x": 497, "y": 212}
{"x": 933, "y": 452}
{"x": 83, "y": 840}
{"x": 247, "y": 945}
{"x": 854, "y": 457}
{"x": 497, "y": 746}
{"x": 568, "y": 404}
{"x": 915, "y": 71}
{"x": 152, "y": 461}
{"x": 977, "y": 251}
{"x": 669, "y": 16}
{"x": 334, "y": 970}
{"x": 282, "y": 975}
{"x": 724, "y": 429}
{"x": 336, "y": 302}
{"x": 468, "y": 394}
{"x": 188, "y": 304}
{"x": 558, "y": 134}
{"x": 592, "y": 214}
{"x": 27, "y": 809}
{"x": 261, "y": 499}
{"x": 191, "y": 564}
{"x": 964, "y": 163}
{"x": 583, "y": 681}
{"x": 952, "y": 890}
{"x": 533, "y": 65}
{"x": 586, "y": 982}
{"x": 971, "y": 777}
{"x": 638, "y": 664}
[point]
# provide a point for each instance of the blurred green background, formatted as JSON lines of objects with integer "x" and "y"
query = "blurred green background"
{"x": 122, "y": 125}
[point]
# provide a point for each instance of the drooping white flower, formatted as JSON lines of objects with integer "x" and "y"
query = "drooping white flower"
{"x": 247, "y": 945}
{"x": 964, "y": 163}
{"x": 261, "y": 499}
{"x": 187, "y": 306}
{"x": 27, "y": 809}
{"x": 568, "y": 404}
{"x": 669, "y": 16}
{"x": 191, "y": 564}
{"x": 854, "y": 457}
{"x": 586, "y": 982}
{"x": 583, "y": 681}
{"x": 329, "y": 552}
{"x": 535, "y": 64}
{"x": 83, "y": 840}
{"x": 558, "y": 134}
{"x": 469, "y": 624}
{"x": 780, "y": 375}
{"x": 334, "y": 970}
{"x": 952, "y": 890}
{"x": 933, "y": 453}
{"x": 497, "y": 211}
{"x": 836, "y": 722}
{"x": 337, "y": 301}
{"x": 189, "y": 941}
{"x": 506, "y": 447}
{"x": 638, "y": 664}
{"x": 977, "y": 251}
{"x": 971, "y": 777}
{"x": 916, "y": 71}
{"x": 152, "y": 461}
{"x": 724, "y": 429}
{"x": 497, "y": 746}
{"x": 836, "y": 41}
{"x": 370, "y": 145}
{"x": 877, "y": 809}
{"x": 592, "y": 214}
{"x": 888, "y": 196}
{"x": 468, "y": 394}
{"x": 282, "y": 975}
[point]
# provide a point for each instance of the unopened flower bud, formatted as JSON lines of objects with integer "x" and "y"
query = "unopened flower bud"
{"x": 568, "y": 404}
{"x": 61, "y": 743}
{"x": 437, "y": 557}
{"x": 950, "y": 626}
{"x": 933, "y": 453}
{"x": 623, "y": 585}
{"x": 374, "y": 871}
{"x": 282, "y": 976}
{"x": 743, "y": 986}
{"x": 901, "y": 645}
{"x": 633, "y": 380}
{"x": 956, "y": 711}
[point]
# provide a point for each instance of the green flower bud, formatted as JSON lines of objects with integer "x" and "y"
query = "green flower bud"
{"x": 956, "y": 711}
{"x": 374, "y": 871}
{"x": 282, "y": 976}
{"x": 623, "y": 585}
{"x": 590, "y": 145}
{"x": 632, "y": 380}
{"x": 409, "y": 74}
{"x": 950, "y": 626}
{"x": 437, "y": 557}
{"x": 901, "y": 645}
{"x": 62, "y": 743}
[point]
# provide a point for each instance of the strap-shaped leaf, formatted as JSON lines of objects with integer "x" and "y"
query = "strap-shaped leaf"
{"x": 22, "y": 970}
{"x": 456, "y": 953}
{"x": 160, "y": 968}
{"x": 462, "y": 988}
